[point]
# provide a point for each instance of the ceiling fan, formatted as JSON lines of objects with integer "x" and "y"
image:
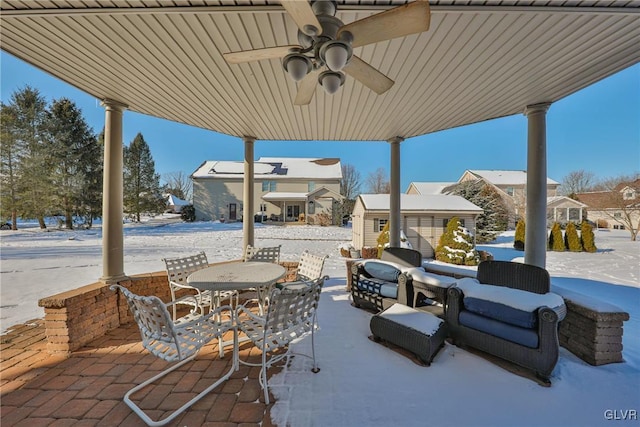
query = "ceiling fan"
{"x": 325, "y": 52}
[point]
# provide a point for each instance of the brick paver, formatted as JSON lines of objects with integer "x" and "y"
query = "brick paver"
{"x": 87, "y": 387}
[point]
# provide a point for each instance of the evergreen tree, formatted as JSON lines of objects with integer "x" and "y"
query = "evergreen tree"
{"x": 142, "y": 191}
{"x": 72, "y": 145}
{"x": 518, "y": 241}
{"x": 90, "y": 202}
{"x": 587, "y": 237}
{"x": 556, "y": 242}
{"x": 494, "y": 217}
{"x": 571, "y": 238}
{"x": 33, "y": 186}
{"x": 9, "y": 162}
{"x": 456, "y": 245}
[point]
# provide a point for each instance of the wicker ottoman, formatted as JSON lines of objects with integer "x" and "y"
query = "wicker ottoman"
{"x": 416, "y": 331}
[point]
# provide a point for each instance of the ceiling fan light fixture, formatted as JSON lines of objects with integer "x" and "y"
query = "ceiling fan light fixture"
{"x": 336, "y": 54}
{"x": 297, "y": 65}
{"x": 331, "y": 81}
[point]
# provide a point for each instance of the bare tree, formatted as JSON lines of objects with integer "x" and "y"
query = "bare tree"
{"x": 350, "y": 182}
{"x": 178, "y": 184}
{"x": 377, "y": 182}
{"x": 579, "y": 181}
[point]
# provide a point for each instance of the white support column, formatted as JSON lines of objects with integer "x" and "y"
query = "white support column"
{"x": 248, "y": 194}
{"x": 112, "y": 194}
{"x": 394, "y": 196}
{"x": 536, "y": 221}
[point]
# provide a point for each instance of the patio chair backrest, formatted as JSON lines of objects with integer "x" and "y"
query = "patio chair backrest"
{"x": 267, "y": 254}
{"x": 403, "y": 256}
{"x": 291, "y": 314}
{"x": 310, "y": 266}
{"x": 514, "y": 275}
{"x": 159, "y": 334}
{"x": 178, "y": 269}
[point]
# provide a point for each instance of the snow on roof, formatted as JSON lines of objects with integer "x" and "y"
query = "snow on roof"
{"x": 176, "y": 201}
{"x": 274, "y": 168}
{"x": 554, "y": 199}
{"x": 430, "y": 187}
{"x": 500, "y": 177}
{"x": 420, "y": 202}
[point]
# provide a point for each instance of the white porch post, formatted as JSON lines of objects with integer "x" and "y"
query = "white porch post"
{"x": 248, "y": 194}
{"x": 536, "y": 224}
{"x": 394, "y": 196}
{"x": 112, "y": 194}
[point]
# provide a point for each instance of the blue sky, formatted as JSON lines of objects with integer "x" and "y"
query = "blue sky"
{"x": 596, "y": 129}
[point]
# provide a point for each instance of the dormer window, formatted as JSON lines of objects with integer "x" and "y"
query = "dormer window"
{"x": 629, "y": 195}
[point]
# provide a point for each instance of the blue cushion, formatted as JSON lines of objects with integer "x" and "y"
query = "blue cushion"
{"x": 523, "y": 336}
{"x": 501, "y": 312}
{"x": 377, "y": 286}
{"x": 382, "y": 271}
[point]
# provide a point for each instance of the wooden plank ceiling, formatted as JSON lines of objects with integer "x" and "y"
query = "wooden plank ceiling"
{"x": 479, "y": 60}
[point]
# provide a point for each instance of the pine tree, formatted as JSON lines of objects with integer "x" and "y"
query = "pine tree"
{"x": 571, "y": 238}
{"x": 72, "y": 145}
{"x": 556, "y": 242}
{"x": 587, "y": 237}
{"x": 9, "y": 161}
{"x": 456, "y": 245}
{"x": 142, "y": 192}
{"x": 494, "y": 217}
{"x": 518, "y": 241}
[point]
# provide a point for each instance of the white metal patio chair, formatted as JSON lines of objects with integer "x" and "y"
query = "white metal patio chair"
{"x": 178, "y": 341}
{"x": 309, "y": 268}
{"x": 178, "y": 269}
{"x": 264, "y": 254}
{"x": 291, "y": 315}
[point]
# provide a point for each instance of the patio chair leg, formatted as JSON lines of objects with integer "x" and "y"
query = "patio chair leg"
{"x": 135, "y": 408}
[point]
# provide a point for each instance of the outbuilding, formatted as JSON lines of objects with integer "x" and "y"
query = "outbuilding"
{"x": 424, "y": 218}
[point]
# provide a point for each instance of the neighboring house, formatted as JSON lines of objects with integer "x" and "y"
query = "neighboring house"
{"x": 175, "y": 204}
{"x": 285, "y": 189}
{"x": 423, "y": 218}
{"x": 511, "y": 185}
{"x": 618, "y": 209}
{"x": 563, "y": 209}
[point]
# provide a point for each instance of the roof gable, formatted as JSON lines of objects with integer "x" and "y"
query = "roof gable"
{"x": 274, "y": 168}
{"x": 419, "y": 202}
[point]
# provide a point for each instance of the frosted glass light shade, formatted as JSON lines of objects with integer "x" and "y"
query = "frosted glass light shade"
{"x": 331, "y": 81}
{"x": 336, "y": 57}
{"x": 298, "y": 66}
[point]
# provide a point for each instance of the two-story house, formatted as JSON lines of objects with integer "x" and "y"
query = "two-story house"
{"x": 617, "y": 209}
{"x": 285, "y": 189}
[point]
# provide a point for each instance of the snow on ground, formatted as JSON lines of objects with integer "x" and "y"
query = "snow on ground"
{"x": 363, "y": 383}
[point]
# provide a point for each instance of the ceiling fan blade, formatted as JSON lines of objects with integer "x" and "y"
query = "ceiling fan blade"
{"x": 303, "y": 16}
{"x": 400, "y": 21}
{"x": 258, "y": 54}
{"x": 307, "y": 88}
{"x": 367, "y": 75}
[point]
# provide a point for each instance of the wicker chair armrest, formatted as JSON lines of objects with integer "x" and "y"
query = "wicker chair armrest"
{"x": 454, "y": 304}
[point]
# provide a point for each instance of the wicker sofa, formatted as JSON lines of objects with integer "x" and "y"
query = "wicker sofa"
{"x": 488, "y": 314}
{"x": 377, "y": 284}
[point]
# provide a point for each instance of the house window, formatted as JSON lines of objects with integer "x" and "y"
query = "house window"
{"x": 617, "y": 215}
{"x": 509, "y": 191}
{"x": 268, "y": 186}
{"x": 263, "y": 207}
{"x": 379, "y": 223}
{"x": 311, "y": 186}
{"x": 446, "y": 221}
{"x": 629, "y": 195}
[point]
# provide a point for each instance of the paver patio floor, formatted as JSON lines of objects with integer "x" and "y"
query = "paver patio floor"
{"x": 87, "y": 387}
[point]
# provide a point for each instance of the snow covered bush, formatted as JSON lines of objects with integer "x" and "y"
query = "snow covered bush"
{"x": 383, "y": 240}
{"x": 518, "y": 241}
{"x": 571, "y": 238}
{"x": 188, "y": 213}
{"x": 456, "y": 245}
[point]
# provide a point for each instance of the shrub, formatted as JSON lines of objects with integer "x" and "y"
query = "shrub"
{"x": 383, "y": 239}
{"x": 556, "y": 242}
{"x": 518, "y": 242}
{"x": 587, "y": 238}
{"x": 571, "y": 238}
{"x": 188, "y": 213}
{"x": 602, "y": 223}
{"x": 322, "y": 219}
{"x": 456, "y": 245}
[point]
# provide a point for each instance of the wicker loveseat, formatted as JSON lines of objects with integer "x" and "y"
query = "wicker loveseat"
{"x": 508, "y": 312}
{"x": 377, "y": 284}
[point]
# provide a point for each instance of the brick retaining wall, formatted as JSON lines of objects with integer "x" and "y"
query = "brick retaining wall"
{"x": 77, "y": 317}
